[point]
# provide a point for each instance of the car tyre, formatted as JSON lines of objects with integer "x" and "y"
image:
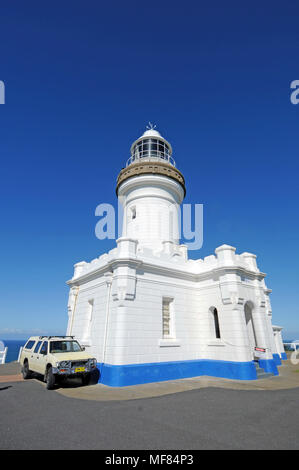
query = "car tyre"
{"x": 26, "y": 372}
{"x": 85, "y": 379}
{"x": 50, "y": 379}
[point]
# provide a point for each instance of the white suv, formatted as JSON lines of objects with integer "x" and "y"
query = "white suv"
{"x": 56, "y": 357}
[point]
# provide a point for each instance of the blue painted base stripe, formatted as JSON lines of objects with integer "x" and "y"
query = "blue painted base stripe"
{"x": 269, "y": 365}
{"x": 284, "y": 356}
{"x": 134, "y": 374}
{"x": 276, "y": 359}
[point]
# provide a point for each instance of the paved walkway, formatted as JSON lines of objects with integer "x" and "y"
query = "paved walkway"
{"x": 288, "y": 378}
{"x": 10, "y": 372}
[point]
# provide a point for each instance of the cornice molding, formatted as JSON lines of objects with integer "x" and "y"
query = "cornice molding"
{"x": 169, "y": 271}
{"x": 150, "y": 168}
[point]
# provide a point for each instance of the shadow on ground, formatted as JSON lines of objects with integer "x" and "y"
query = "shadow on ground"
{"x": 68, "y": 382}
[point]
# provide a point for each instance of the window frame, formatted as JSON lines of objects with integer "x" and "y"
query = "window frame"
{"x": 40, "y": 350}
{"x": 38, "y": 346}
{"x": 216, "y": 324}
{"x": 28, "y": 342}
{"x": 171, "y": 321}
{"x": 150, "y": 147}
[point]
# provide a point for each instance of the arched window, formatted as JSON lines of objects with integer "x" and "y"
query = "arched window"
{"x": 133, "y": 212}
{"x": 215, "y": 322}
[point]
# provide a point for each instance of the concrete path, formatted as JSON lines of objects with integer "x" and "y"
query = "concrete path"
{"x": 200, "y": 413}
{"x": 10, "y": 372}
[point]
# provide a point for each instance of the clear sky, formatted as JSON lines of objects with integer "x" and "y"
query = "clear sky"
{"x": 82, "y": 79}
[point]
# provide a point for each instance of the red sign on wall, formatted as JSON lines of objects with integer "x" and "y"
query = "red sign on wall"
{"x": 260, "y": 349}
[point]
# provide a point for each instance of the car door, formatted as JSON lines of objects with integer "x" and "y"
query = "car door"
{"x": 33, "y": 357}
{"x": 41, "y": 358}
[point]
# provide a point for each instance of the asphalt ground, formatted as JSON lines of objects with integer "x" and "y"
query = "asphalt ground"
{"x": 202, "y": 418}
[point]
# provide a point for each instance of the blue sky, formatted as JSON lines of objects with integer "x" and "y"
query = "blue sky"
{"x": 82, "y": 81}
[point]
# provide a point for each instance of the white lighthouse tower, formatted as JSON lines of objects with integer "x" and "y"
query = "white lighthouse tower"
{"x": 151, "y": 190}
{"x": 147, "y": 312}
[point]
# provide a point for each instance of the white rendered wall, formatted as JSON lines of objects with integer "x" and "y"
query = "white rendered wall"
{"x": 278, "y": 340}
{"x": 140, "y": 280}
{"x": 135, "y": 334}
{"x": 282, "y": 350}
{"x": 151, "y": 209}
{"x": 95, "y": 292}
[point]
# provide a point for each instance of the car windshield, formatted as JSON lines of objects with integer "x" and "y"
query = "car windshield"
{"x": 64, "y": 346}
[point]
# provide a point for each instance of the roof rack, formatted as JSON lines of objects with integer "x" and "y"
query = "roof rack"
{"x": 56, "y": 336}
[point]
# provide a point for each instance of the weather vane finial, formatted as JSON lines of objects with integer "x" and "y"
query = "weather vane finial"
{"x": 151, "y": 126}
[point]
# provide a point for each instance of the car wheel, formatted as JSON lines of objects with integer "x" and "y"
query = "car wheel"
{"x": 26, "y": 372}
{"x": 61, "y": 379}
{"x": 50, "y": 379}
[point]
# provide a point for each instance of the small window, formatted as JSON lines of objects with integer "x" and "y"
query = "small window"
{"x": 37, "y": 347}
{"x": 216, "y": 323}
{"x": 29, "y": 345}
{"x": 133, "y": 212}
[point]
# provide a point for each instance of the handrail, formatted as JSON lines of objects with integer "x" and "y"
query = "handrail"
{"x": 292, "y": 344}
{"x": 151, "y": 158}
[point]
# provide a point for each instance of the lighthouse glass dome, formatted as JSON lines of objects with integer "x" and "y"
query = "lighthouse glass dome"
{"x": 151, "y": 147}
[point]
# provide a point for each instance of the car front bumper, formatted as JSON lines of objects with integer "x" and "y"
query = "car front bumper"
{"x": 73, "y": 371}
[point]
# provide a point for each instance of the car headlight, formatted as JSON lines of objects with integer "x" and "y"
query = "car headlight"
{"x": 93, "y": 362}
{"x": 64, "y": 364}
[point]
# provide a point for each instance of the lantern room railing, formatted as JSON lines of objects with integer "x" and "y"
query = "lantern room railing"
{"x": 150, "y": 156}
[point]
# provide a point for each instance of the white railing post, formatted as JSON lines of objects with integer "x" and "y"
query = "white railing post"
{"x": 20, "y": 352}
{"x": 3, "y": 355}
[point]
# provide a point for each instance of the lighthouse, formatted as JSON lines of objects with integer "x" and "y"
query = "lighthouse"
{"x": 148, "y": 312}
{"x": 151, "y": 190}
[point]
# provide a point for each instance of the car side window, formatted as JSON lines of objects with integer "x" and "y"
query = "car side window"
{"x": 44, "y": 348}
{"x": 37, "y": 347}
{"x": 29, "y": 344}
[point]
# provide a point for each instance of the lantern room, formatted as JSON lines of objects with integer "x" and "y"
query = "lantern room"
{"x": 151, "y": 146}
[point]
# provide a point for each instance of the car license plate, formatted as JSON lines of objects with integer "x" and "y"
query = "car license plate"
{"x": 80, "y": 369}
